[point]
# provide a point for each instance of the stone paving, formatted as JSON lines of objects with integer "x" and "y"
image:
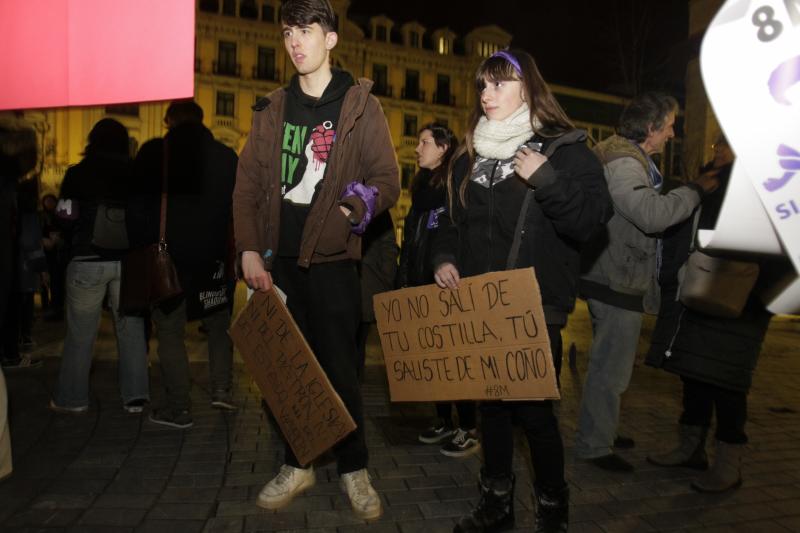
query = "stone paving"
{"x": 116, "y": 472}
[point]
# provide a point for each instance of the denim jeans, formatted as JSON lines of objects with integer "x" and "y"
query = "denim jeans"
{"x": 615, "y": 338}
{"x": 171, "y": 332}
{"x": 5, "y": 438}
{"x": 88, "y": 282}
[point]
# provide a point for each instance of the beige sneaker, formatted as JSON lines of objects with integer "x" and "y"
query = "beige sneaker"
{"x": 289, "y": 482}
{"x": 365, "y": 501}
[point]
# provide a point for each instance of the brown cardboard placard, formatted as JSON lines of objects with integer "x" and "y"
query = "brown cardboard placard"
{"x": 487, "y": 340}
{"x": 309, "y": 411}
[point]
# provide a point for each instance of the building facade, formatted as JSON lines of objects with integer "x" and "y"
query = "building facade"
{"x": 421, "y": 75}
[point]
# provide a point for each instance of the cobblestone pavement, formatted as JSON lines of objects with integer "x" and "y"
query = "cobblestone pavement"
{"x": 112, "y": 471}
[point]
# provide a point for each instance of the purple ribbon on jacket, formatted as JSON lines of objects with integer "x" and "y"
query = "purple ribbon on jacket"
{"x": 368, "y": 195}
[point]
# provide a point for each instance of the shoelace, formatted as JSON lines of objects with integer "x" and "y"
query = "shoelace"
{"x": 461, "y": 437}
{"x": 284, "y": 475}
{"x": 361, "y": 484}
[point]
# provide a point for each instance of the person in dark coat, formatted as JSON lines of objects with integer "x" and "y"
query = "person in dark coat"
{"x": 715, "y": 357}
{"x": 377, "y": 271}
{"x": 18, "y": 156}
{"x": 436, "y": 147}
{"x": 201, "y": 173}
{"x": 91, "y": 209}
{"x": 519, "y": 144}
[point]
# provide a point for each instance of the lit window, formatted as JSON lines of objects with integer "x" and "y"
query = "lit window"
{"x": 443, "y": 46}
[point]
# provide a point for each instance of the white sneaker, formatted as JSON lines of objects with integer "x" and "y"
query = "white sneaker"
{"x": 289, "y": 482}
{"x": 365, "y": 501}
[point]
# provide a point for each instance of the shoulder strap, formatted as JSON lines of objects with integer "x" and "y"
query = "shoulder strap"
{"x": 162, "y": 230}
{"x": 519, "y": 229}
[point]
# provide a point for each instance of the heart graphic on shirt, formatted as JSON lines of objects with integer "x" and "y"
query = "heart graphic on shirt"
{"x": 322, "y": 140}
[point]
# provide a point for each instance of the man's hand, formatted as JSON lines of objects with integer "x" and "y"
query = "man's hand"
{"x": 446, "y": 276}
{"x": 527, "y": 161}
{"x": 256, "y": 277}
{"x": 708, "y": 182}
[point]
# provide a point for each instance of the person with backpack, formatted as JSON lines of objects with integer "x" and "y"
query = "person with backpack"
{"x": 92, "y": 210}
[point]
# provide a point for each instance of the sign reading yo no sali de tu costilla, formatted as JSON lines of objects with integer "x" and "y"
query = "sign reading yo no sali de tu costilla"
{"x": 310, "y": 413}
{"x": 485, "y": 340}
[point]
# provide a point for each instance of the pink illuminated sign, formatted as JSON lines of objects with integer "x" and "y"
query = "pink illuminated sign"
{"x": 92, "y": 52}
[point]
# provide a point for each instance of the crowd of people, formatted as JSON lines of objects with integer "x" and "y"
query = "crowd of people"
{"x": 305, "y": 207}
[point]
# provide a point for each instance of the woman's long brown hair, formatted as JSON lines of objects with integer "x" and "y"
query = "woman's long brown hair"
{"x": 544, "y": 107}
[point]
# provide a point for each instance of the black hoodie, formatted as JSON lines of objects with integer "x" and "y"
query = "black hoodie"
{"x": 309, "y": 131}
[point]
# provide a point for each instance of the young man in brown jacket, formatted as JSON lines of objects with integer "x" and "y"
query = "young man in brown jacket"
{"x": 318, "y": 166}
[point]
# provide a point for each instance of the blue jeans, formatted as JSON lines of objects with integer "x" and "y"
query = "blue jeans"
{"x": 87, "y": 284}
{"x": 615, "y": 338}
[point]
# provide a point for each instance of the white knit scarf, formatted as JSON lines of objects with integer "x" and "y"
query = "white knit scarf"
{"x": 500, "y": 139}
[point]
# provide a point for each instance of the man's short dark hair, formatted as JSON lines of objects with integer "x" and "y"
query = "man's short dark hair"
{"x": 648, "y": 110}
{"x": 307, "y": 12}
{"x": 181, "y": 111}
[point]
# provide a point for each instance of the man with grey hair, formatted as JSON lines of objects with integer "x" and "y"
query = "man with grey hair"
{"x": 620, "y": 270}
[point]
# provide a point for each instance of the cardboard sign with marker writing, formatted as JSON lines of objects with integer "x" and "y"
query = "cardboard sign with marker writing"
{"x": 310, "y": 413}
{"x": 485, "y": 341}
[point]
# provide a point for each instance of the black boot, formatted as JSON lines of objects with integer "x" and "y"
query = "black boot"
{"x": 552, "y": 509}
{"x": 495, "y": 510}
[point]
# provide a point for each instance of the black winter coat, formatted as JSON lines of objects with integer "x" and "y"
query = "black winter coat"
{"x": 98, "y": 178}
{"x": 419, "y": 233}
{"x": 714, "y": 350}
{"x": 202, "y": 173}
{"x": 570, "y": 203}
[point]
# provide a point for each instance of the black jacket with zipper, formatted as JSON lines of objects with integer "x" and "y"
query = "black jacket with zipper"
{"x": 570, "y": 203}
{"x": 720, "y": 351}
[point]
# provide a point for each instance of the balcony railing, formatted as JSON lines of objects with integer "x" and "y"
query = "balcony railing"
{"x": 265, "y": 74}
{"x": 412, "y": 93}
{"x": 225, "y": 122}
{"x": 227, "y": 69}
{"x": 444, "y": 99}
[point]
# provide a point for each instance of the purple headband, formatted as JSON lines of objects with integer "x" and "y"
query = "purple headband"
{"x": 511, "y": 59}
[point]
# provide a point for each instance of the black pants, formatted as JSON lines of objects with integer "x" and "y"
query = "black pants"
{"x": 541, "y": 429}
{"x": 701, "y": 400}
{"x": 466, "y": 413}
{"x": 325, "y": 301}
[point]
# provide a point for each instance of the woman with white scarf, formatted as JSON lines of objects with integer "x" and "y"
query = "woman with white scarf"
{"x": 524, "y": 191}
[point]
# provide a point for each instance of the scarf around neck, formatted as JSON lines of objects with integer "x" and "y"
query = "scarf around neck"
{"x": 500, "y": 139}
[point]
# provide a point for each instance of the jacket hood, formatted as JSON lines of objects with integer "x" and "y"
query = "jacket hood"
{"x": 336, "y": 89}
{"x": 616, "y": 147}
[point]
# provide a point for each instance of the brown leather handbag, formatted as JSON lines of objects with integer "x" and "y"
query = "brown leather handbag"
{"x": 149, "y": 276}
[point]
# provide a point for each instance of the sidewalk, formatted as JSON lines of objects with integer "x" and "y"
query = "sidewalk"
{"x": 115, "y": 472}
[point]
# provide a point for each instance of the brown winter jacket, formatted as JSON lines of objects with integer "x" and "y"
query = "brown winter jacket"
{"x": 363, "y": 152}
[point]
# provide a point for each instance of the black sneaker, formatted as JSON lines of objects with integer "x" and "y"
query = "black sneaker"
{"x": 464, "y": 443}
{"x": 135, "y": 406}
{"x": 24, "y": 362}
{"x": 221, "y": 399}
{"x": 436, "y": 434}
{"x": 624, "y": 443}
{"x": 173, "y": 419}
{"x": 612, "y": 462}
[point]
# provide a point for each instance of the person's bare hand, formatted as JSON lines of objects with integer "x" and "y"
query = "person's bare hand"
{"x": 527, "y": 161}
{"x": 255, "y": 275}
{"x": 708, "y": 182}
{"x": 446, "y": 276}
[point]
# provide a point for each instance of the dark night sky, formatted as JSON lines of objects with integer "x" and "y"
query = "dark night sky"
{"x": 575, "y": 42}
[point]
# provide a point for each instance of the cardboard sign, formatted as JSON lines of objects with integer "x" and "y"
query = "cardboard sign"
{"x": 485, "y": 341}
{"x": 310, "y": 413}
{"x": 92, "y": 52}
